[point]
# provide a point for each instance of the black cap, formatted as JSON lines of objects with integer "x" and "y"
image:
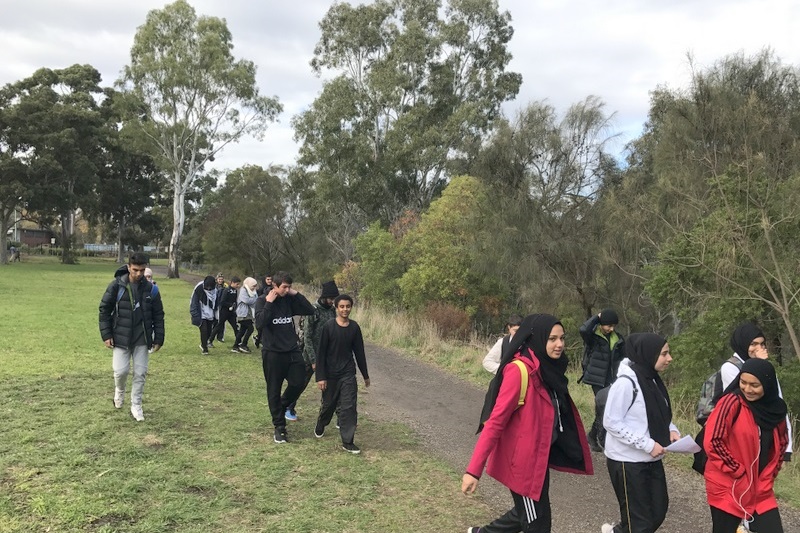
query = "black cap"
{"x": 329, "y": 290}
{"x": 608, "y": 317}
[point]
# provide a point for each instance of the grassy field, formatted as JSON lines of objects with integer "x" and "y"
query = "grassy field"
{"x": 204, "y": 459}
{"x": 419, "y": 339}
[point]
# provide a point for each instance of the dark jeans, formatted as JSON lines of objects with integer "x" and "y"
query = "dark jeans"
{"x": 245, "y": 330}
{"x": 527, "y": 515}
{"x": 340, "y": 397}
{"x": 769, "y": 522}
{"x": 224, "y": 316}
{"x": 205, "y": 333}
{"x": 598, "y": 432}
{"x": 279, "y": 367}
{"x": 641, "y": 490}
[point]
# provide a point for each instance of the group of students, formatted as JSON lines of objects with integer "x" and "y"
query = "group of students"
{"x": 530, "y": 424}
{"x": 329, "y": 345}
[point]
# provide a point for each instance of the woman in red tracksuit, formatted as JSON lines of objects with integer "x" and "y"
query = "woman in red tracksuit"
{"x": 745, "y": 439}
{"x": 520, "y": 443}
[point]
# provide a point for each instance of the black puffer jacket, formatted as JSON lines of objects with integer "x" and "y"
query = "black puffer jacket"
{"x": 600, "y": 362}
{"x": 116, "y": 316}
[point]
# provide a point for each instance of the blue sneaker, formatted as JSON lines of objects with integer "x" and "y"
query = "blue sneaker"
{"x": 290, "y": 415}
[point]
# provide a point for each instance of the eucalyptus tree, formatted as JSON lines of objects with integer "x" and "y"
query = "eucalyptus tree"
{"x": 193, "y": 98}
{"x": 415, "y": 82}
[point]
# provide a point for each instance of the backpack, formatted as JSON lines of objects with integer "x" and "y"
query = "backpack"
{"x": 153, "y": 291}
{"x": 600, "y": 400}
{"x": 711, "y": 391}
{"x": 523, "y": 390}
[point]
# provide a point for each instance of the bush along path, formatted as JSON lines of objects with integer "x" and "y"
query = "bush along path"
{"x": 443, "y": 410}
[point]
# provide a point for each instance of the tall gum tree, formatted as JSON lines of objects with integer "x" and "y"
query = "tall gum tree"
{"x": 415, "y": 83}
{"x": 194, "y": 99}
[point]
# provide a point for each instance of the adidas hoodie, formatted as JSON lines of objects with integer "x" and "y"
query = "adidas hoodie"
{"x": 275, "y": 324}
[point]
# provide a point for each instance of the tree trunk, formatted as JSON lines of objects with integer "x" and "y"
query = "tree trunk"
{"x": 5, "y": 221}
{"x": 177, "y": 228}
{"x": 120, "y": 251}
{"x": 792, "y": 333}
{"x": 67, "y": 257}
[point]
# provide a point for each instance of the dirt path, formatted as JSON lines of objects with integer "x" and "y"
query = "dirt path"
{"x": 443, "y": 409}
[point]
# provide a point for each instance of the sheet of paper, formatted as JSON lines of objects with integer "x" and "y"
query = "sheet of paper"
{"x": 685, "y": 444}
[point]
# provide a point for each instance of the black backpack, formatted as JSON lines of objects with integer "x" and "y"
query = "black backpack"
{"x": 600, "y": 400}
{"x": 711, "y": 392}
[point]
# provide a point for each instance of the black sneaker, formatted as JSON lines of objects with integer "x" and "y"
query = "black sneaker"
{"x": 203, "y": 351}
{"x": 352, "y": 448}
{"x": 280, "y": 436}
{"x": 244, "y": 349}
{"x": 210, "y": 344}
{"x": 235, "y": 349}
{"x": 473, "y": 529}
{"x": 319, "y": 431}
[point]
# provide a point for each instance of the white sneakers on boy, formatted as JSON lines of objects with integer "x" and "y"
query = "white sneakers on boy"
{"x": 136, "y": 411}
{"x": 119, "y": 397}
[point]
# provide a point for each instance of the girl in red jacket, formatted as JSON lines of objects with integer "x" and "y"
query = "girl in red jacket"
{"x": 745, "y": 439}
{"x": 520, "y": 442}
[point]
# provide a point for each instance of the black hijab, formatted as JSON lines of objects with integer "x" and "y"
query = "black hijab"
{"x": 643, "y": 349}
{"x": 532, "y": 333}
{"x": 741, "y": 338}
{"x": 770, "y": 409}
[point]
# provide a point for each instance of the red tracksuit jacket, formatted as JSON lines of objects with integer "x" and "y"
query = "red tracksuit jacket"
{"x": 732, "y": 443}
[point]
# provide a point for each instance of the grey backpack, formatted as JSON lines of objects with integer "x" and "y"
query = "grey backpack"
{"x": 711, "y": 391}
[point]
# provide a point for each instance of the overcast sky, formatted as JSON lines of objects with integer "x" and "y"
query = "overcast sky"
{"x": 619, "y": 50}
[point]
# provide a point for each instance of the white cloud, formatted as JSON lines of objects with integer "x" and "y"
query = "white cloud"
{"x": 619, "y": 50}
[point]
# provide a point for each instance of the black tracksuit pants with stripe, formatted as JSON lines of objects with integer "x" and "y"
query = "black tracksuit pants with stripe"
{"x": 641, "y": 490}
{"x": 527, "y": 515}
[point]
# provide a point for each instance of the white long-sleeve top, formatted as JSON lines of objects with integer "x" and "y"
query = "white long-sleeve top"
{"x": 491, "y": 362}
{"x": 728, "y": 372}
{"x": 628, "y": 436}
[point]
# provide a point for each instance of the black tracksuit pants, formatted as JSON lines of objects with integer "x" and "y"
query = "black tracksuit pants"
{"x": 340, "y": 396}
{"x": 769, "y": 522}
{"x": 218, "y": 332}
{"x": 641, "y": 490}
{"x": 279, "y": 367}
{"x": 527, "y": 515}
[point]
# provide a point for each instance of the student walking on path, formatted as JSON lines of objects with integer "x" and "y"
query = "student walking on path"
{"x": 491, "y": 361}
{"x": 748, "y": 342}
{"x": 638, "y": 421}
{"x": 602, "y": 353}
{"x": 202, "y": 308}
{"x": 340, "y": 342}
{"x": 132, "y": 324}
{"x": 521, "y": 442}
{"x": 280, "y": 347}
{"x": 245, "y": 314}
{"x": 745, "y": 439}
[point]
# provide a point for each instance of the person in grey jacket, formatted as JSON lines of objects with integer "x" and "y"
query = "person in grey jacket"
{"x": 132, "y": 325}
{"x": 603, "y": 351}
{"x": 245, "y": 314}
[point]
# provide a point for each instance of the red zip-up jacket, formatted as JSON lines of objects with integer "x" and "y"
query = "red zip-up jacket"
{"x": 516, "y": 442}
{"x": 732, "y": 443}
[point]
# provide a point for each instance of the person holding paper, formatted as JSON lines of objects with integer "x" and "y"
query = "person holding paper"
{"x": 638, "y": 422}
{"x": 745, "y": 439}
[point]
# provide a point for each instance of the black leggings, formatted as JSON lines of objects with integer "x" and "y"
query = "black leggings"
{"x": 769, "y": 522}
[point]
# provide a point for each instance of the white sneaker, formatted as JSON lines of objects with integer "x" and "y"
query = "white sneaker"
{"x": 136, "y": 411}
{"x": 607, "y": 528}
{"x": 119, "y": 397}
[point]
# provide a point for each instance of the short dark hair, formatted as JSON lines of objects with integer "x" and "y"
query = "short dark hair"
{"x": 235, "y": 279}
{"x": 281, "y": 277}
{"x": 514, "y": 320}
{"x": 342, "y": 297}
{"x": 139, "y": 258}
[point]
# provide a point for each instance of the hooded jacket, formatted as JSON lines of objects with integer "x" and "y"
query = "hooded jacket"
{"x": 602, "y": 354}
{"x": 733, "y": 482}
{"x": 274, "y": 321}
{"x": 116, "y": 315}
{"x": 516, "y": 442}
